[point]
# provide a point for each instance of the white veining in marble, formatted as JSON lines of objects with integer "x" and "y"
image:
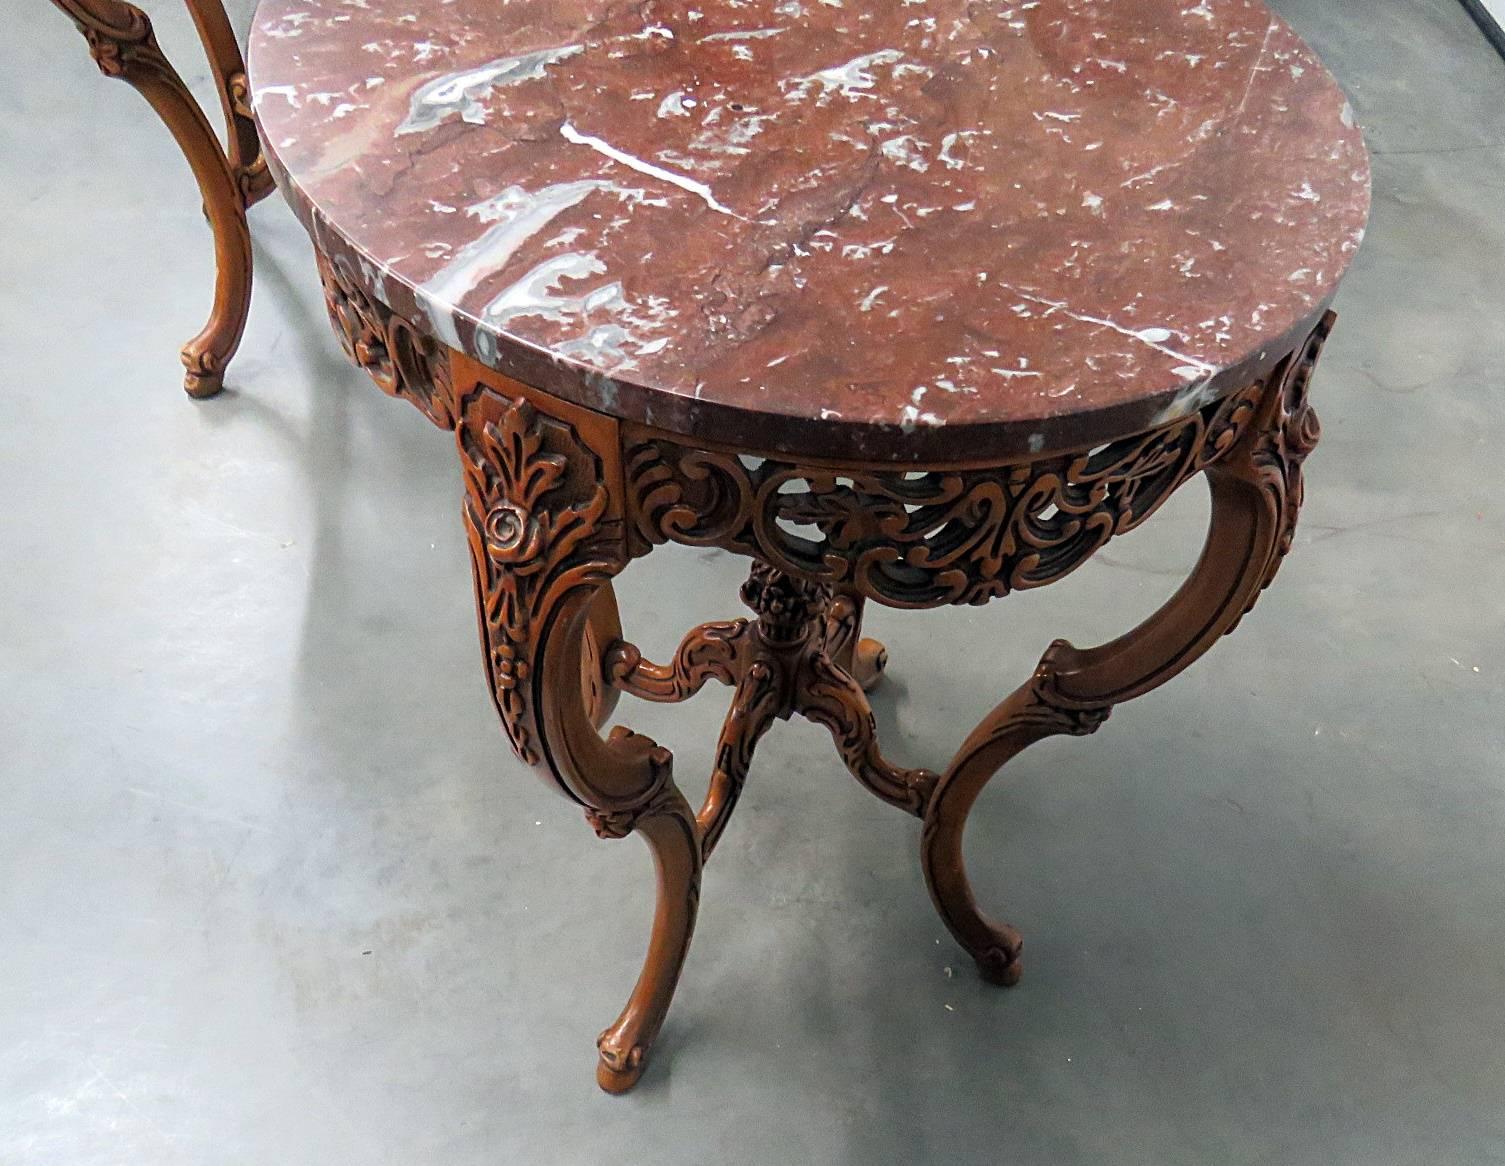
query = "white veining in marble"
{"x": 699, "y": 189}
{"x": 462, "y": 93}
{"x": 515, "y": 216}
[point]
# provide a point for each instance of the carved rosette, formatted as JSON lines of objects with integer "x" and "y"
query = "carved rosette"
{"x": 403, "y": 361}
{"x": 933, "y": 537}
{"x": 536, "y": 510}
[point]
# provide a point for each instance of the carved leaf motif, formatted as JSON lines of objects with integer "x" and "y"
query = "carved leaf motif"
{"x": 532, "y": 540}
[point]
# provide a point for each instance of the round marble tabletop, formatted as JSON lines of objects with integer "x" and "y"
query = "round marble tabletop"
{"x": 886, "y": 229}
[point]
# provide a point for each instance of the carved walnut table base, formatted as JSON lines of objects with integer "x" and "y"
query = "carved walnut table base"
{"x": 916, "y": 305}
{"x": 230, "y": 180}
{"x": 559, "y": 499}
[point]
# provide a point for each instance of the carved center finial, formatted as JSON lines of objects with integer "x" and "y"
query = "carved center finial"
{"x": 787, "y": 606}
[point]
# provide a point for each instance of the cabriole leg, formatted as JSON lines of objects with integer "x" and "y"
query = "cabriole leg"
{"x": 543, "y": 512}
{"x": 1256, "y": 491}
{"x": 122, "y": 43}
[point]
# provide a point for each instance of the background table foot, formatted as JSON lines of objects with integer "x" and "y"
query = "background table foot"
{"x": 869, "y": 662}
{"x": 614, "y": 1080}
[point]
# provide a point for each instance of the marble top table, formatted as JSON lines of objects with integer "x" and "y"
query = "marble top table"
{"x": 916, "y": 301}
{"x": 897, "y": 230}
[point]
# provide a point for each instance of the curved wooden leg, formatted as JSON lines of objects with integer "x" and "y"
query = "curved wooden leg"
{"x": 228, "y": 68}
{"x": 668, "y": 827}
{"x": 122, "y": 43}
{"x": 1256, "y": 491}
{"x": 864, "y": 660}
{"x": 712, "y": 651}
{"x": 759, "y": 698}
{"x": 543, "y": 514}
{"x": 829, "y": 696}
{"x": 1025, "y": 717}
{"x": 603, "y": 629}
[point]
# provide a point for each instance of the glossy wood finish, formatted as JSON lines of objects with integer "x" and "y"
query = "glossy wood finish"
{"x": 230, "y": 179}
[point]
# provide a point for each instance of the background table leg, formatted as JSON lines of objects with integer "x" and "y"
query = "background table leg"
{"x": 121, "y": 40}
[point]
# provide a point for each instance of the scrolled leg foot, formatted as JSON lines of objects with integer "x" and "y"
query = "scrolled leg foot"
{"x": 668, "y": 827}
{"x": 1001, "y": 965}
{"x": 869, "y": 662}
{"x": 202, "y": 385}
{"x": 1032, "y": 712}
{"x": 616, "y": 1073}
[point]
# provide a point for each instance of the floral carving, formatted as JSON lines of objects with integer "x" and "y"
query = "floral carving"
{"x": 536, "y": 531}
{"x": 401, "y": 360}
{"x": 786, "y": 605}
{"x": 934, "y": 537}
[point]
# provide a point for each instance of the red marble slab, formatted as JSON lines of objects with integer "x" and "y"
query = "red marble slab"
{"x": 894, "y": 229}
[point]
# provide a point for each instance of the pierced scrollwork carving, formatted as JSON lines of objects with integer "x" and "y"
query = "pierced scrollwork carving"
{"x": 403, "y": 361}
{"x": 933, "y": 537}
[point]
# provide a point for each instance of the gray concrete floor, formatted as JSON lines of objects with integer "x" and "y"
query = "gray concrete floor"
{"x": 273, "y": 891}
